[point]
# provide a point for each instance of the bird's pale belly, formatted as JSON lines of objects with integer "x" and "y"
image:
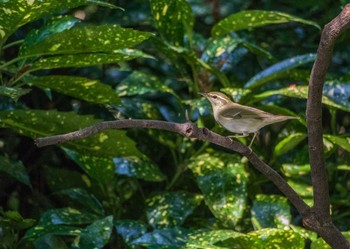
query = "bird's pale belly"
{"x": 246, "y": 125}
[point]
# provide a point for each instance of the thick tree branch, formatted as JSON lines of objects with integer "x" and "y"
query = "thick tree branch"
{"x": 321, "y": 206}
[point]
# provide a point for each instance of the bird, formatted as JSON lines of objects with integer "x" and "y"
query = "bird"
{"x": 238, "y": 118}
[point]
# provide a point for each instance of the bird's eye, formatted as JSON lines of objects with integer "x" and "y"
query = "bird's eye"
{"x": 214, "y": 97}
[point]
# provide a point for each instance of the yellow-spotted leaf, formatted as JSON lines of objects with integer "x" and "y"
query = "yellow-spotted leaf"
{"x": 130, "y": 229}
{"x": 40, "y": 123}
{"x": 270, "y": 211}
{"x": 173, "y": 18}
{"x": 140, "y": 168}
{"x": 78, "y": 87}
{"x": 223, "y": 181}
{"x": 171, "y": 209}
{"x": 218, "y": 239}
{"x": 248, "y": 19}
{"x": 320, "y": 243}
{"x": 276, "y": 238}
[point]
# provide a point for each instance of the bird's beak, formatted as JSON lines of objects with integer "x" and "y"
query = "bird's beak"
{"x": 203, "y": 94}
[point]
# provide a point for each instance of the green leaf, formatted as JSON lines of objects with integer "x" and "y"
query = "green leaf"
{"x": 278, "y": 70}
{"x": 343, "y": 142}
{"x": 83, "y": 60}
{"x": 14, "y": 220}
{"x": 223, "y": 181}
{"x": 171, "y": 209}
{"x": 270, "y": 211}
{"x": 13, "y": 92}
{"x": 99, "y": 168}
{"x": 89, "y": 39}
{"x": 210, "y": 239}
{"x": 248, "y": 19}
{"x": 42, "y": 230}
{"x": 78, "y": 87}
{"x": 55, "y": 25}
{"x": 86, "y": 200}
{"x": 130, "y": 229}
{"x": 50, "y": 242}
{"x": 295, "y": 170}
{"x": 66, "y": 216}
{"x": 338, "y": 92}
{"x": 173, "y": 19}
{"x": 300, "y": 92}
{"x": 14, "y": 14}
{"x": 276, "y": 238}
{"x": 140, "y": 168}
{"x": 14, "y": 169}
{"x": 96, "y": 235}
{"x": 303, "y": 190}
{"x": 40, "y": 123}
{"x": 173, "y": 238}
{"x": 140, "y": 83}
{"x": 288, "y": 143}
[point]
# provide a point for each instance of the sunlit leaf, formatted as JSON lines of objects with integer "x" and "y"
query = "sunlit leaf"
{"x": 171, "y": 209}
{"x": 14, "y": 220}
{"x": 83, "y": 60}
{"x": 218, "y": 239}
{"x": 248, "y": 19}
{"x": 88, "y": 39}
{"x": 55, "y": 25}
{"x": 96, "y": 235}
{"x": 270, "y": 211}
{"x": 14, "y": 169}
{"x": 130, "y": 229}
{"x": 79, "y": 87}
{"x": 40, "y": 123}
{"x": 173, "y": 19}
{"x": 223, "y": 181}
{"x": 276, "y": 238}
{"x": 288, "y": 143}
{"x": 140, "y": 168}
{"x": 343, "y": 142}
{"x": 296, "y": 170}
{"x": 304, "y": 190}
{"x": 278, "y": 70}
{"x": 173, "y": 238}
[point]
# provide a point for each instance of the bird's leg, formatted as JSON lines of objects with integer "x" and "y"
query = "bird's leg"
{"x": 255, "y": 134}
{"x": 244, "y": 134}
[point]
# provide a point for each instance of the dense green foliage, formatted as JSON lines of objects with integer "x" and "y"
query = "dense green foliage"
{"x": 149, "y": 60}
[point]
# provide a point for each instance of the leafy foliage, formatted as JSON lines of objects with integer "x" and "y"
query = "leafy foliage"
{"x": 67, "y": 65}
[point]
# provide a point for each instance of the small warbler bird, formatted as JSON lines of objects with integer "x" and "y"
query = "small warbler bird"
{"x": 239, "y": 118}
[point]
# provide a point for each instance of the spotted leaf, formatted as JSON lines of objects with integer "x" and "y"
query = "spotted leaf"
{"x": 276, "y": 238}
{"x": 130, "y": 229}
{"x": 42, "y": 230}
{"x": 171, "y": 209}
{"x": 13, "y": 92}
{"x": 97, "y": 234}
{"x": 140, "y": 168}
{"x": 217, "y": 239}
{"x": 173, "y": 18}
{"x": 67, "y": 216}
{"x": 78, "y": 87}
{"x": 223, "y": 182}
{"x": 270, "y": 211}
{"x": 248, "y": 19}
{"x": 40, "y": 123}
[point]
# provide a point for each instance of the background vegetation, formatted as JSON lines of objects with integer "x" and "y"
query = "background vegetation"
{"x": 65, "y": 66}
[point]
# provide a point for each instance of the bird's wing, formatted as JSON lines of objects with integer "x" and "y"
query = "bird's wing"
{"x": 243, "y": 112}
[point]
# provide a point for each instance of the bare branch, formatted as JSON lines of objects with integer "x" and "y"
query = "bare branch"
{"x": 321, "y": 206}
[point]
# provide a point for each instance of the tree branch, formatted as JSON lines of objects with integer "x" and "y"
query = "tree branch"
{"x": 321, "y": 206}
